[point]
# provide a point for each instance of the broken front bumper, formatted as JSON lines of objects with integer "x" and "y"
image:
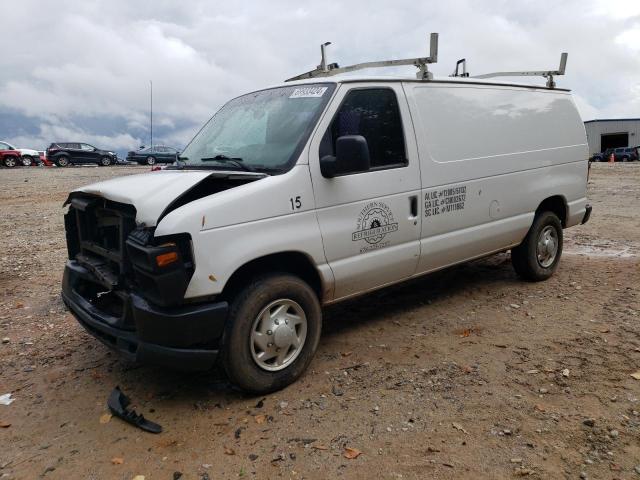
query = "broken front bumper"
{"x": 181, "y": 338}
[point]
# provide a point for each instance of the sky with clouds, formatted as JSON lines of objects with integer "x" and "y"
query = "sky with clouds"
{"x": 80, "y": 70}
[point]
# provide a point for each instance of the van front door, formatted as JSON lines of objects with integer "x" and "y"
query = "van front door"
{"x": 370, "y": 220}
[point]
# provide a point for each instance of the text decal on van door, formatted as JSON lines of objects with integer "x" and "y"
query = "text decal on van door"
{"x": 308, "y": 92}
{"x": 374, "y": 223}
{"x": 444, "y": 200}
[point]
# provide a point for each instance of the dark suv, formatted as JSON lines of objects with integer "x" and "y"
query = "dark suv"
{"x": 63, "y": 154}
{"x": 626, "y": 154}
{"x": 620, "y": 154}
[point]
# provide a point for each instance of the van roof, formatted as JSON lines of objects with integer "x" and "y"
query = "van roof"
{"x": 349, "y": 78}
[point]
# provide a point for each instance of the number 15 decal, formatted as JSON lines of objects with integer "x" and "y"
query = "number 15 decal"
{"x": 296, "y": 203}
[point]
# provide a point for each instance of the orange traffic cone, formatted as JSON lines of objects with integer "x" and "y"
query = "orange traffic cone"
{"x": 612, "y": 158}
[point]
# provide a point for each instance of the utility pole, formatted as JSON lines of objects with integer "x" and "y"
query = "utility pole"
{"x": 151, "y": 115}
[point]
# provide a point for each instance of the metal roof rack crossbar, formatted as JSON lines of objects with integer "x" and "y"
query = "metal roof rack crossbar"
{"x": 329, "y": 69}
{"x": 548, "y": 74}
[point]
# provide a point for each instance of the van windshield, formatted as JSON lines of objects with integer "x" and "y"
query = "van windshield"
{"x": 262, "y": 131}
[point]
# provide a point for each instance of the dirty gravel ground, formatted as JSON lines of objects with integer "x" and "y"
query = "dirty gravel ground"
{"x": 468, "y": 373}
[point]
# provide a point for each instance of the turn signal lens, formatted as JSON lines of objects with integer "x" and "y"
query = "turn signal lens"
{"x": 165, "y": 259}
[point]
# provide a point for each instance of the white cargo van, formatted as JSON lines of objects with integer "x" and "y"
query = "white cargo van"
{"x": 312, "y": 192}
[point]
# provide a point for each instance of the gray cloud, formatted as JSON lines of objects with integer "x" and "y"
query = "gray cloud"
{"x": 80, "y": 71}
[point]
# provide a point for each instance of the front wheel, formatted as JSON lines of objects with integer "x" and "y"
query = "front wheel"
{"x": 27, "y": 161}
{"x": 272, "y": 333}
{"x": 151, "y": 160}
{"x": 105, "y": 161}
{"x": 537, "y": 257}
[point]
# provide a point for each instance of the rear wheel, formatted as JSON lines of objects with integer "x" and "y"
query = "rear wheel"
{"x": 625, "y": 159}
{"x": 105, "y": 161}
{"x": 537, "y": 257}
{"x": 62, "y": 161}
{"x": 10, "y": 161}
{"x": 272, "y": 333}
{"x": 151, "y": 160}
{"x": 27, "y": 161}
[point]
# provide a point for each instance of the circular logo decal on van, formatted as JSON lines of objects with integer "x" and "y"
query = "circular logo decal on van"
{"x": 374, "y": 223}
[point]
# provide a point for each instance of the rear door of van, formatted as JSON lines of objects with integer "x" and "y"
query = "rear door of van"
{"x": 370, "y": 221}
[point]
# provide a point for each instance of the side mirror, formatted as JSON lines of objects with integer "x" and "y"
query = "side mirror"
{"x": 352, "y": 156}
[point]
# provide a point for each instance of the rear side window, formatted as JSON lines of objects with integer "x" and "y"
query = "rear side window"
{"x": 374, "y": 114}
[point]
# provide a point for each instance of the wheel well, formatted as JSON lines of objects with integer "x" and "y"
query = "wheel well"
{"x": 557, "y": 205}
{"x": 295, "y": 263}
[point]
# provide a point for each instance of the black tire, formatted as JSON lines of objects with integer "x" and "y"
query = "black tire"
{"x": 105, "y": 161}
{"x": 525, "y": 258}
{"x": 27, "y": 161}
{"x": 238, "y": 345}
{"x": 10, "y": 161}
{"x": 625, "y": 159}
{"x": 62, "y": 161}
{"x": 151, "y": 160}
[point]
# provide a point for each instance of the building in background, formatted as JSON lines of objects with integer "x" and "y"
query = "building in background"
{"x": 612, "y": 133}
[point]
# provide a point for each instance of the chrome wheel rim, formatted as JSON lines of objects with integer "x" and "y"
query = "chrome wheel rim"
{"x": 547, "y": 247}
{"x": 10, "y": 162}
{"x": 106, "y": 162}
{"x": 151, "y": 161}
{"x": 278, "y": 334}
{"x": 26, "y": 162}
{"x": 63, "y": 162}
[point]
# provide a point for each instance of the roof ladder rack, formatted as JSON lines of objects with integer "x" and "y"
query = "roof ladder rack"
{"x": 548, "y": 74}
{"x": 329, "y": 69}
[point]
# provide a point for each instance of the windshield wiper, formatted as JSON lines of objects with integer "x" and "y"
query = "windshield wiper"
{"x": 233, "y": 160}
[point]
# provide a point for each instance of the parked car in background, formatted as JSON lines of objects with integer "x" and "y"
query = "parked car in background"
{"x": 620, "y": 154}
{"x": 153, "y": 155}
{"x": 626, "y": 154}
{"x": 123, "y": 162}
{"x": 43, "y": 160}
{"x": 10, "y": 157}
{"x": 64, "y": 154}
{"x": 28, "y": 157}
{"x": 602, "y": 156}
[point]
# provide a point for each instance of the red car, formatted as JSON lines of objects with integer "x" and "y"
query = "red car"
{"x": 10, "y": 158}
{"x": 43, "y": 160}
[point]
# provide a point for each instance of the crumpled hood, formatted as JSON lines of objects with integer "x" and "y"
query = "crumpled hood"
{"x": 151, "y": 193}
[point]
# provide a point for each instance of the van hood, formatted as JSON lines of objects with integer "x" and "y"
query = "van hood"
{"x": 154, "y": 194}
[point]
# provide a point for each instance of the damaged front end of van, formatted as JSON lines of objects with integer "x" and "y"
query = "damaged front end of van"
{"x": 125, "y": 285}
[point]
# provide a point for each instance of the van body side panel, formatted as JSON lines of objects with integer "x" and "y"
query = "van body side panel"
{"x": 489, "y": 157}
{"x": 233, "y": 227}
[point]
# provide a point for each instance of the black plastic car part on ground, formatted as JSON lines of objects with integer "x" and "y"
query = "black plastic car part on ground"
{"x": 118, "y": 404}
{"x": 153, "y": 155}
{"x": 64, "y": 154}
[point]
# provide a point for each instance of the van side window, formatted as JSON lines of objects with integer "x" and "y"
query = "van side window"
{"x": 374, "y": 114}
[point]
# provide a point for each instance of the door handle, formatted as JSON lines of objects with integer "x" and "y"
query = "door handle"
{"x": 413, "y": 207}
